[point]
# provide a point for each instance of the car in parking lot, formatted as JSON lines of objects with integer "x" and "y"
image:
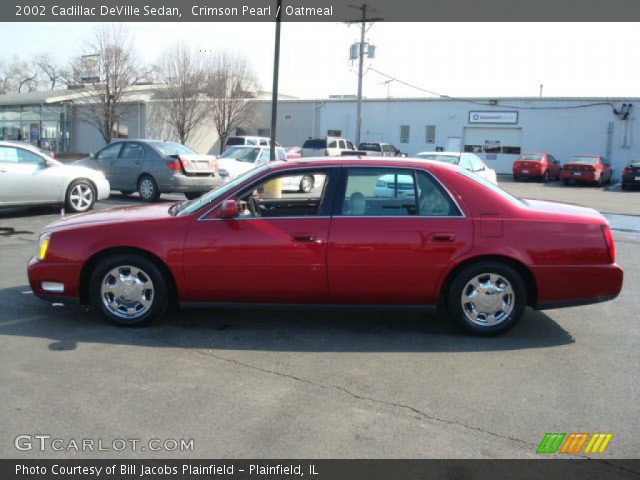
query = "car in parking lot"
{"x": 326, "y": 147}
{"x": 539, "y": 165}
{"x": 380, "y": 149}
{"x": 586, "y": 168}
{"x": 247, "y": 140}
{"x": 153, "y": 167}
{"x": 468, "y": 161}
{"x": 484, "y": 257}
{"x": 631, "y": 175}
{"x": 30, "y": 177}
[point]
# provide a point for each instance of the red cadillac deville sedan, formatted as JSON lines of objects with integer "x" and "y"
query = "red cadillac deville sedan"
{"x": 373, "y": 231}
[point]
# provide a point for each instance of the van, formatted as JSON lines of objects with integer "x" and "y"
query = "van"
{"x": 326, "y": 147}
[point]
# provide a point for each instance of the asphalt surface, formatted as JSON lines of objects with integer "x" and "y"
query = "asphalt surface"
{"x": 316, "y": 383}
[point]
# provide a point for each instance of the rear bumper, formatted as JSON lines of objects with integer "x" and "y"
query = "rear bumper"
{"x": 183, "y": 183}
{"x": 566, "y": 286}
{"x": 43, "y": 274}
{"x": 630, "y": 179}
{"x": 583, "y": 177}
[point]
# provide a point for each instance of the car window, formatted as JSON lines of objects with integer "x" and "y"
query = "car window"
{"x": 19, "y": 155}
{"x": 342, "y": 144}
{"x": 434, "y": 201}
{"x": 231, "y": 141}
{"x": 284, "y": 195}
{"x": 168, "y": 149}
{"x": 465, "y": 163}
{"x": 132, "y": 150}
{"x": 371, "y": 147}
{"x": 453, "y": 159}
{"x": 377, "y": 192}
{"x": 350, "y": 145}
{"x": 476, "y": 163}
{"x": 241, "y": 154}
{"x": 109, "y": 152}
{"x": 315, "y": 143}
{"x": 264, "y": 141}
{"x": 281, "y": 154}
{"x": 332, "y": 144}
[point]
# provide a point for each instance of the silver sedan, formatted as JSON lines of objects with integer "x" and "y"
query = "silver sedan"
{"x": 29, "y": 177}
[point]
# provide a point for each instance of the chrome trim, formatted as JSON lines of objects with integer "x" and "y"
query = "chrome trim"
{"x": 57, "y": 287}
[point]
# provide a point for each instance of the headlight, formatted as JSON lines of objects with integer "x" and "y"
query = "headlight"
{"x": 43, "y": 245}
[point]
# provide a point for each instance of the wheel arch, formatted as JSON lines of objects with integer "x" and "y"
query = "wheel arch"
{"x": 90, "y": 264}
{"x": 73, "y": 180}
{"x": 517, "y": 265}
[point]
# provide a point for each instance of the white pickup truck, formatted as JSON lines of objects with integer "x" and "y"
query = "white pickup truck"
{"x": 326, "y": 147}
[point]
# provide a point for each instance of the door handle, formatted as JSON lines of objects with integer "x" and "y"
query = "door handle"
{"x": 442, "y": 237}
{"x": 304, "y": 237}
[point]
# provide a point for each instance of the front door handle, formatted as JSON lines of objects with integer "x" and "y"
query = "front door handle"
{"x": 303, "y": 237}
{"x": 442, "y": 237}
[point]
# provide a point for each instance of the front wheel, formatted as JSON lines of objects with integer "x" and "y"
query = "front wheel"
{"x": 565, "y": 181}
{"x": 128, "y": 290}
{"x": 80, "y": 196}
{"x": 486, "y": 298}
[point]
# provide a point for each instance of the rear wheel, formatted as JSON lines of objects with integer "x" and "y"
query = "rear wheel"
{"x": 565, "y": 181}
{"x": 626, "y": 186}
{"x": 193, "y": 195}
{"x": 128, "y": 290}
{"x": 515, "y": 178}
{"x": 486, "y": 298}
{"x": 80, "y": 196}
{"x": 545, "y": 177}
{"x": 148, "y": 189}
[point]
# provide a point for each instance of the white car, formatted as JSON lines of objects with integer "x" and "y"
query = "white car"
{"x": 239, "y": 159}
{"x": 29, "y": 177}
{"x": 468, "y": 161}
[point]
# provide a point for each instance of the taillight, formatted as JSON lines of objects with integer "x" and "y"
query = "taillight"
{"x": 215, "y": 165}
{"x": 608, "y": 240}
{"x": 626, "y": 171}
{"x": 185, "y": 161}
{"x": 174, "y": 164}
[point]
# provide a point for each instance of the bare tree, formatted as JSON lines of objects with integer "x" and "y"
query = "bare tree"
{"x": 231, "y": 83}
{"x": 51, "y": 69}
{"x": 182, "y": 72}
{"x": 117, "y": 70}
{"x": 5, "y": 79}
{"x": 25, "y": 75}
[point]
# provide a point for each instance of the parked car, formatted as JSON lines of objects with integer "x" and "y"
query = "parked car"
{"x": 586, "y": 168}
{"x": 30, "y": 177}
{"x": 468, "y": 161}
{"x": 380, "y": 149}
{"x": 631, "y": 175}
{"x": 47, "y": 151}
{"x": 247, "y": 140}
{"x": 293, "y": 152}
{"x": 153, "y": 167}
{"x": 460, "y": 242}
{"x": 542, "y": 166}
{"x": 238, "y": 160}
{"x": 326, "y": 147}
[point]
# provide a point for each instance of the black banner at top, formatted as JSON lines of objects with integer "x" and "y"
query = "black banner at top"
{"x": 317, "y": 10}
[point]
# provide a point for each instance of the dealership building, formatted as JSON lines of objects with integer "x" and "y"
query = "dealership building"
{"x": 498, "y": 129}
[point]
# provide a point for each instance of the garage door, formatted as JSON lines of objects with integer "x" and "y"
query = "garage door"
{"x": 498, "y": 147}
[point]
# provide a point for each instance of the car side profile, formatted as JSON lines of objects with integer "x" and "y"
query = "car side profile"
{"x": 457, "y": 242}
{"x": 586, "y": 168}
{"x": 539, "y": 165}
{"x": 30, "y": 177}
{"x": 631, "y": 175}
{"x": 154, "y": 167}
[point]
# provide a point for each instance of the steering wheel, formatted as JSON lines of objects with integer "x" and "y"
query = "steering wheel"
{"x": 253, "y": 206}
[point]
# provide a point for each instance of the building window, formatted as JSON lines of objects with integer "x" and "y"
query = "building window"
{"x": 120, "y": 130}
{"x": 288, "y": 116}
{"x": 430, "y": 133}
{"x": 404, "y": 133}
{"x": 264, "y": 132}
{"x": 334, "y": 133}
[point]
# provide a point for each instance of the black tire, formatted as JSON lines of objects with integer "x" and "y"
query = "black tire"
{"x": 516, "y": 178}
{"x": 565, "y": 181}
{"x": 545, "y": 177}
{"x": 126, "y": 192}
{"x": 148, "y": 189}
{"x": 306, "y": 184}
{"x": 150, "y": 271}
{"x": 193, "y": 195}
{"x": 626, "y": 186}
{"x": 80, "y": 196}
{"x": 457, "y": 313}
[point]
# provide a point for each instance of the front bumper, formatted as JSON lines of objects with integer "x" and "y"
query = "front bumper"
{"x": 184, "y": 183}
{"x": 54, "y": 281}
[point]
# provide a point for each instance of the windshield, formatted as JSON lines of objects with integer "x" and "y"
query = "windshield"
{"x": 453, "y": 159}
{"x": 241, "y": 154}
{"x": 586, "y": 160}
{"x": 532, "y": 157}
{"x": 169, "y": 148}
{"x": 507, "y": 196}
{"x": 190, "y": 206}
{"x": 372, "y": 147}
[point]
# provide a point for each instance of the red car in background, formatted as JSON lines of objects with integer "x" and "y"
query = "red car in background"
{"x": 586, "y": 168}
{"x": 293, "y": 152}
{"x": 373, "y": 231}
{"x": 542, "y": 166}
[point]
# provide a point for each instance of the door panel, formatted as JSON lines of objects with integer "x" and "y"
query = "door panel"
{"x": 127, "y": 165}
{"x": 24, "y": 178}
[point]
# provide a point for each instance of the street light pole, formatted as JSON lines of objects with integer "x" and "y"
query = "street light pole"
{"x": 360, "y": 65}
{"x": 274, "y": 92}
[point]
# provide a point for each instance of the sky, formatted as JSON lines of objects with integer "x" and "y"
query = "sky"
{"x": 455, "y": 59}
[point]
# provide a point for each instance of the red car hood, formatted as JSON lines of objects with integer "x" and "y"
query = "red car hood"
{"x": 566, "y": 209}
{"x": 113, "y": 215}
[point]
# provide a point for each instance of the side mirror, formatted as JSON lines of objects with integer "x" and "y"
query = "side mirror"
{"x": 229, "y": 209}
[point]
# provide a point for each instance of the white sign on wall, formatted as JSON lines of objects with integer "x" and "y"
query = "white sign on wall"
{"x": 493, "y": 117}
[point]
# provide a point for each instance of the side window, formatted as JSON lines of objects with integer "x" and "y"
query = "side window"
{"x": 434, "y": 201}
{"x": 350, "y": 145}
{"x": 464, "y": 162}
{"x": 281, "y": 154}
{"x": 290, "y": 194}
{"x": 132, "y": 150}
{"x": 265, "y": 155}
{"x": 476, "y": 163}
{"x": 264, "y": 141}
{"x": 25, "y": 157}
{"x": 342, "y": 144}
{"x": 332, "y": 144}
{"x": 110, "y": 152}
{"x": 379, "y": 192}
{"x": 8, "y": 155}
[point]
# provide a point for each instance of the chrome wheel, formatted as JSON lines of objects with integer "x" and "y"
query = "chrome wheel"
{"x": 147, "y": 188}
{"x": 81, "y": 197}
{"x": 127, "y": 292}
{"x": 487, "y": 299}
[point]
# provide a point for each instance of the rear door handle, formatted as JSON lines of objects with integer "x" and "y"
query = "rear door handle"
{"x": 442, "y": 237}
{"x": 304, "y": 237}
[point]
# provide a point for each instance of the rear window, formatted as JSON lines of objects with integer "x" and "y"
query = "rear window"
{"x": 453, "y": 159}
{"x": 478, "y": 179}
{"x": 585, "y": 160}
{"x": 371, "y": 147}
{"x": 170, "y": 148}
{"x": 531, "y": 157}
{"x": 316, "y": 143}
{"x": 242, "y": 154}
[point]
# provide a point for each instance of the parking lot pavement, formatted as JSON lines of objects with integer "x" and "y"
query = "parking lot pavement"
{"x": 313, "y": 383}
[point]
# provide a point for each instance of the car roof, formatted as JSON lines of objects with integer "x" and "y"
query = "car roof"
{"x": 357, "y": 161}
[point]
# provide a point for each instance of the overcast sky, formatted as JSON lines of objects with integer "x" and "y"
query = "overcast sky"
{"x": 456, "y": 59}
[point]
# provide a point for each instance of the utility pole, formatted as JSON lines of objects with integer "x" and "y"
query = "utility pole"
{"x": 274, "y": 92}
{"x": 363, "y": 28}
